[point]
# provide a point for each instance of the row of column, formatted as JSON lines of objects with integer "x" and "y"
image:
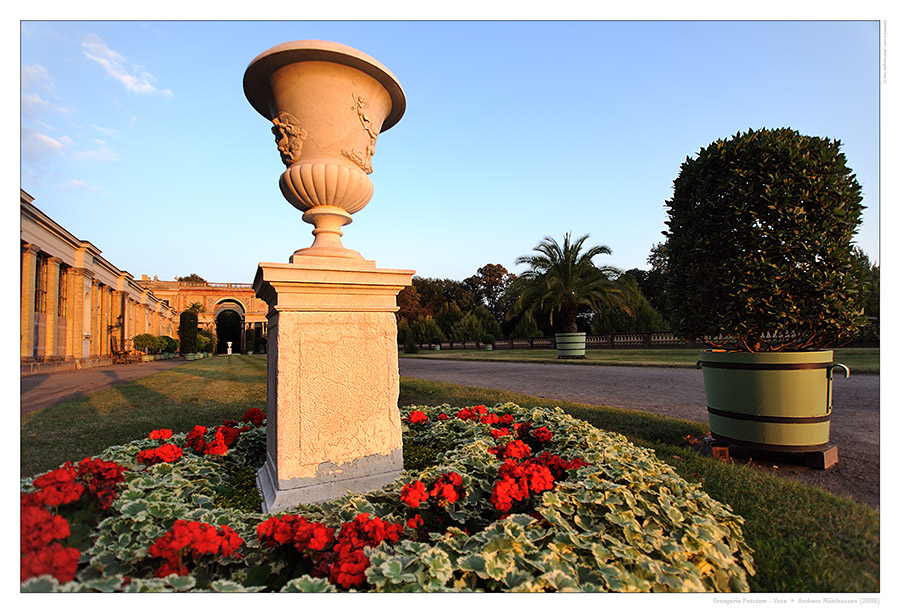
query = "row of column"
{"x": 88, "y": 321}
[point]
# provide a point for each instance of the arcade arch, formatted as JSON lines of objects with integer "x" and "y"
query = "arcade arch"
{"x": 229, "y": 316}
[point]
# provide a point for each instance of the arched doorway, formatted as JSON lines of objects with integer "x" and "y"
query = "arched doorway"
{"x": 229, "y": 316}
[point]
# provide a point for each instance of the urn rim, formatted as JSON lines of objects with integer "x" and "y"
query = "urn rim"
{"x": 256, "y": 78}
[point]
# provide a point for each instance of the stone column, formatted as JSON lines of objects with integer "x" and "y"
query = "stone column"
{"x": 26, "y": 323}
{"x": 50, "y": 349}
{"x": 81, "y": 312}
{"x": 333, "y": 380}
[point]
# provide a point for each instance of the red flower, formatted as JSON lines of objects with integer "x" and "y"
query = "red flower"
{"x": 195, "y": 439}
{"x": 497, "y": 433}
{"x": 413, "y": 494}
{"x": 296, "y": 531}
{"x": 417, "y": 417}
{"x": 254, "y": 416}
{"x": 39, "y": 527}
{"x": 229, "y": 434}
{"x": 350, "y": 569}
{"x": 443, "y": 417}
{"x": 506, "y": 420}
{"x": 464, "y": 414}
{"x": 194, "y": 539}
{"x": 512, "y": 449}
{"x": 518, "y": 481}
{"x": 448, "y": 489}
{"x": 217, "y": 446}
{"x": 56, "y": 560}
{"x": 415, "y": 522}
{"x": 162, "y": 434}
{"x": 58, "y": 486}
{"x": 542, "y": 434}
{"x": 102, "y": 479}
{"x": 163, "y": 453}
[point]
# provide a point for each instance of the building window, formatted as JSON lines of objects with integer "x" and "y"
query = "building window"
{"x": 40, "y": 283}
{"x": 62, "y": 305}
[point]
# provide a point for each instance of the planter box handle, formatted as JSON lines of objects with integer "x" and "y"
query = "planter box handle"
{"x": 836, "y": 365}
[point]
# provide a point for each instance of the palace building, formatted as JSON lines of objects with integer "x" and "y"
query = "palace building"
{"x": 79, "y": 311}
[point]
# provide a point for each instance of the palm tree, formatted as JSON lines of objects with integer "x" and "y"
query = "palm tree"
{"x": 563, "y": 278}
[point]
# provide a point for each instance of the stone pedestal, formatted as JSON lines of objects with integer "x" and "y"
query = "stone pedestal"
{"x": 333, "y": 379}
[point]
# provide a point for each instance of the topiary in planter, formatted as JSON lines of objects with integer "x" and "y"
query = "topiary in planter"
{"x": 187, "y": 331}
{"x": 759, "y": 244}
{"x": 759, "y": 260}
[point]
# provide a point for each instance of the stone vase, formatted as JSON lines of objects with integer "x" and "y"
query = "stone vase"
{"x": 328, "y": 103}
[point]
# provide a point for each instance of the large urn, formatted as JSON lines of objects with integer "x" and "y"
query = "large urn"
{"x": 328, "y": 103}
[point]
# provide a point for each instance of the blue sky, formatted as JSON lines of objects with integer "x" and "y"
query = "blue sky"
{"x": 136, "y": 135}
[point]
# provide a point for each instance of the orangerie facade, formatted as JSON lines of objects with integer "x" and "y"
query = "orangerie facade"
{"x": 79, "y": 311}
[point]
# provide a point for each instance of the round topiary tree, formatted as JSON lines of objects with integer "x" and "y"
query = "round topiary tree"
{"x": 759, "y": 245}
{"x": 144, "y": 342}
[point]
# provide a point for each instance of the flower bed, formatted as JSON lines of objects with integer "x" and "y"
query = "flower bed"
{"x": 501, "y": 499}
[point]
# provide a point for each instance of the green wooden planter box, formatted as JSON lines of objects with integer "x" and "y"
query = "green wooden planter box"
{"x": 570, "y": 345}
{"x": 770, "y": 401}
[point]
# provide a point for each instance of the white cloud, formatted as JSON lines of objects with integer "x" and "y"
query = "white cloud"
{"x": 107, "y": 131}
{"x": 83, "y": 186}
{"x": 37, "y": 77}
{"x": 37, "y": 147}
{"x": 33, "y": 105}
{"x": 134, "y": 77}
{"x": 101, "y": 154}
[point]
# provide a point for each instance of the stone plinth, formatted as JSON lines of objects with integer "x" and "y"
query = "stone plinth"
{"x": 333, "y": 379}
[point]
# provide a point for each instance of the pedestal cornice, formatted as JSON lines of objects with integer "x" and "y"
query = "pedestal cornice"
{"x": 329, "y": 284}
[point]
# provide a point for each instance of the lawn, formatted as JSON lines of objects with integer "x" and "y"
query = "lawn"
{"x": 804, "y": 539}
{"x": 859, "y": 360}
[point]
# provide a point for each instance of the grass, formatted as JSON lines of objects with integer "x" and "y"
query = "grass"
{"x": 859, "y": 360}
{"x": 205, "y": 392}
{"x": 805, "y": 539}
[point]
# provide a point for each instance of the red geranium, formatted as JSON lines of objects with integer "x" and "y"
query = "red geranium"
{"x": 447, "y": 489}
{"x": 542, "y": 434}
{"x": 296, "y": 531}
{"x": 513, "y": 449}
{"x": 443, "y": 417}
{"x": 102, "y": 479}
{"x": 161, "y": 434}
{"x": 163, "y": 453}
{"x": 193, "y": 539}
{"x": 254, "y": 416}
{"x": 413, "y": 494}
{"x": 417, "y": 417}
{"x": 195, "y": 439}
{"x": 58, "y": 486}
{"x": 39, "y": 527}
{"x": 56, "y": 560}
{"x": 498, "y": 433}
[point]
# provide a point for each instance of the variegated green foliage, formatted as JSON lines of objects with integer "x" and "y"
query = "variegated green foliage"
{"x": 626, "y": 522}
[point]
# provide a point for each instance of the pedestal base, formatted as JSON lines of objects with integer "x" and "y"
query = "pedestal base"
{"x": 360, "y": 475}
{"x": 332, "y": 420}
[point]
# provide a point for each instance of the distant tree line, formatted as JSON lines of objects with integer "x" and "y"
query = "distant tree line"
{"x": 491, "y": 301}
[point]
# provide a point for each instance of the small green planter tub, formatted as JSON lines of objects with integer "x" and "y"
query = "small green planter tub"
{"x": 771, "y": 401}
{"x": 570, "y": 345}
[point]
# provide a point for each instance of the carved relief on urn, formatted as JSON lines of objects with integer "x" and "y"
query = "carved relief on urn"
{"x": 328, "y": 103}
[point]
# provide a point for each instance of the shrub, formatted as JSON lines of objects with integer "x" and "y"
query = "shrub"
{"x": 144, "y": 342}
{"x": 759, "y": 243}
{"x": 187, "y": 331}
{"x": 488, "y": 339}
{"x": 171, "y": 344}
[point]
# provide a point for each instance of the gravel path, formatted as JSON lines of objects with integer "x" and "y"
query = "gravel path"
{"x": 678, "y": 392}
